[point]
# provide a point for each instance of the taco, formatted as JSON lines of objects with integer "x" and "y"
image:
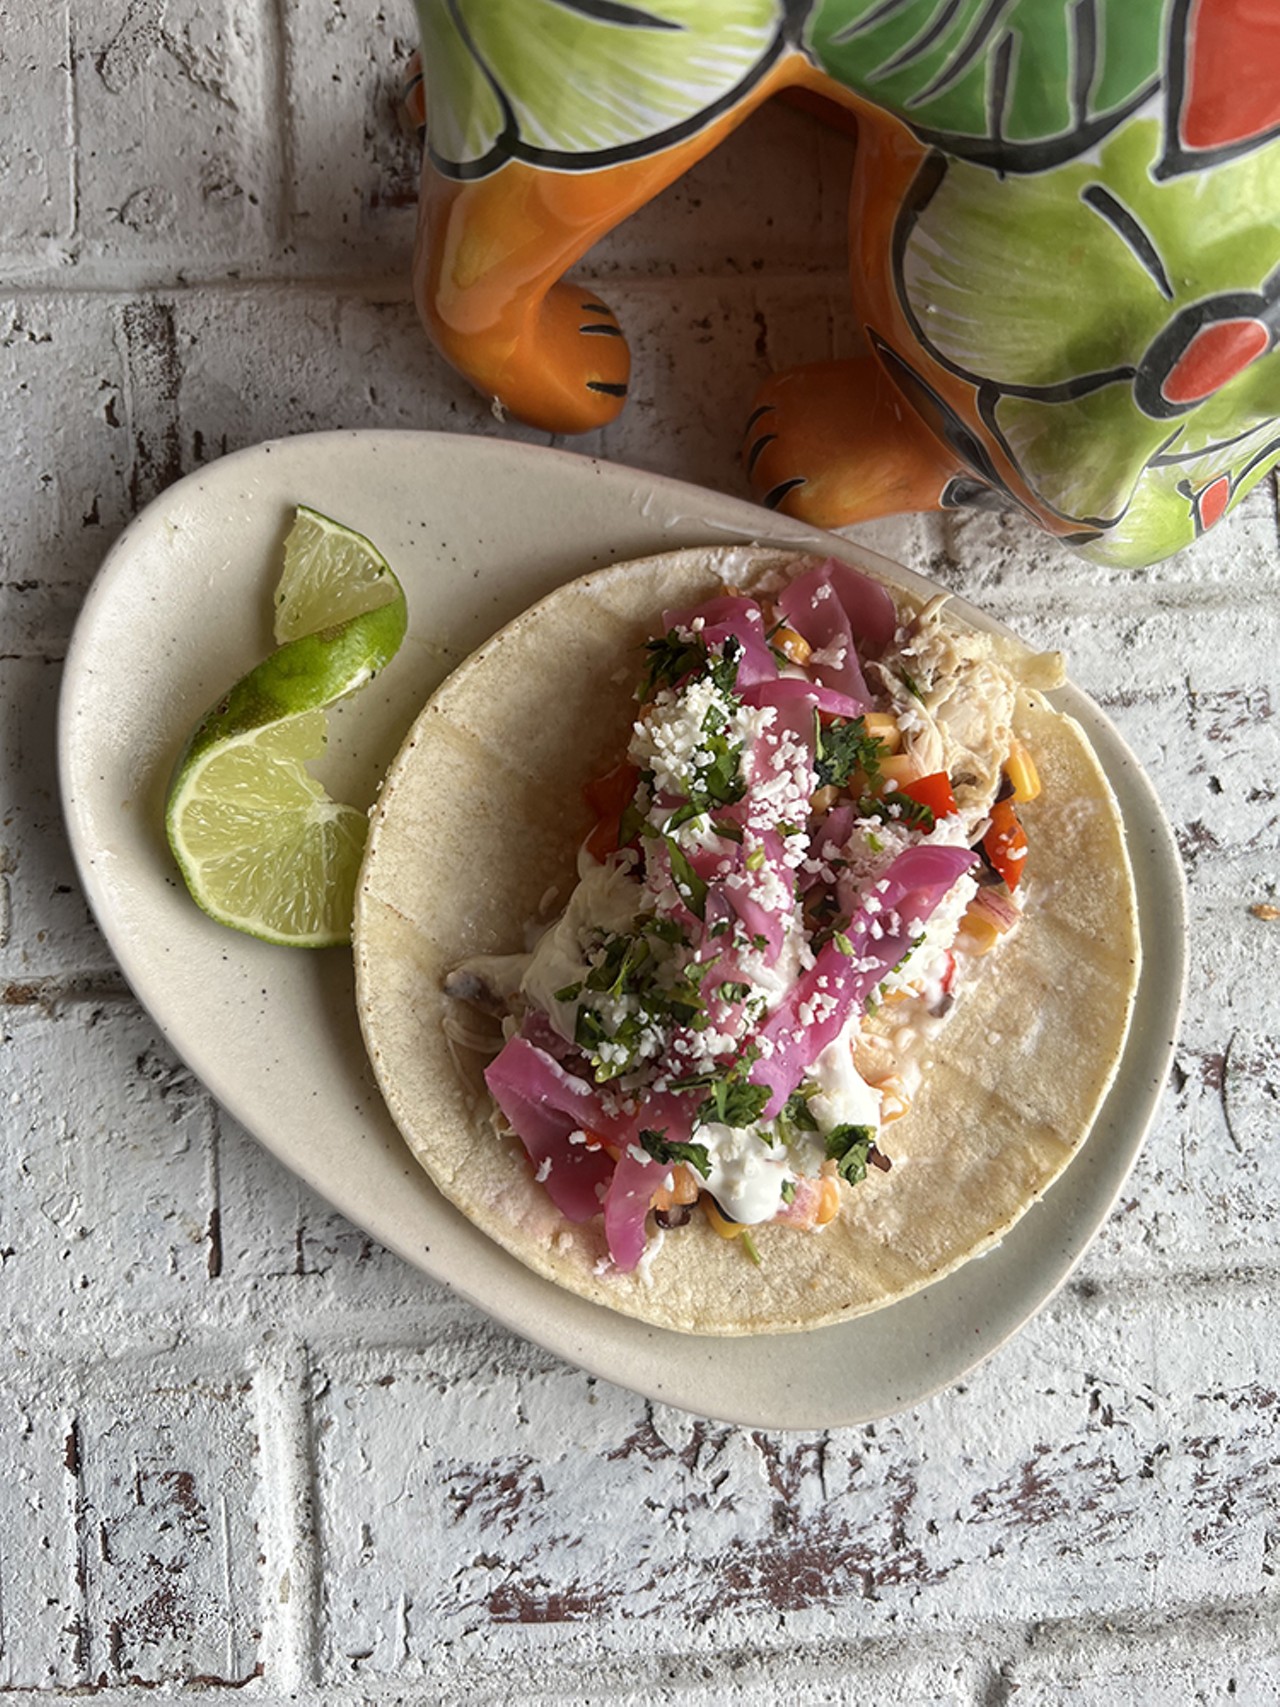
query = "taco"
{"x": 772, "y": 995}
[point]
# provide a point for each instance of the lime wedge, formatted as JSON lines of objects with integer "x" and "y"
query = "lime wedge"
{"x": 331, "y": 574}
{"x": 260, "y": 844}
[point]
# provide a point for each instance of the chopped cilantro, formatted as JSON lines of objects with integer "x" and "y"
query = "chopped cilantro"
{"x": 724, "y": 669}
{"x": 734, "y": 991}
{"x": 842, "y": 747}
{"x": 911, "y": 812}
{"x": 669, "y": 1153}
{"x": 666, "y": 930}
{"x": 915, "y": 812}
{"x": 734, "y": 1102}
{"x": 796, "y": 1117}
{"x": 788, "y": 1191}
{"x": 682, "y": 815}
{"x": 844, "y": 945}
{"x": 915, "y": 943}
{"x": 633, "y": 990}
{"x": 611, "y": 1052}
{"x": 620, "y": 961}
{"x": 848, "y": 1147}
{"x": 672, "y": 658}
{"x": 691, "y": 888}
{"x": 694, "y": 1082}
{"x": 797, "y": 1112}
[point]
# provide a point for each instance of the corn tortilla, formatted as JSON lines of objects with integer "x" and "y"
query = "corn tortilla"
{"x": 474, "y": 839}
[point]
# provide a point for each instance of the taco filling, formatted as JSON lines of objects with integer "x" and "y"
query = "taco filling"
{"x": 798, "y": 868}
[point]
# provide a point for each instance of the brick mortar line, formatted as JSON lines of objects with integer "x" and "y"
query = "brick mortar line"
{"x": 55, "y": 990}
{"x": 995, "y": 1653}
{"x": 291, "y": 1571}
{"x": 374, "y": 286}
{"x": 992, "y": 1657}
{"x": 1066, "y": 600}
{"x": 1088, "y": 1643}
{"x": 272, "y": 42}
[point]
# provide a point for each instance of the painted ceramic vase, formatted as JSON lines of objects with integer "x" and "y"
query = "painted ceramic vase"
{"x": 1065, "y": 238}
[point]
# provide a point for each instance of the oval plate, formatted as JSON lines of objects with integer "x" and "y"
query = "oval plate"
{"x": 478, "y": 529}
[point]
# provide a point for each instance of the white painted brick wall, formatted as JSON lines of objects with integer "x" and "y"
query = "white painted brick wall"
{"x": 242, "y": 1448}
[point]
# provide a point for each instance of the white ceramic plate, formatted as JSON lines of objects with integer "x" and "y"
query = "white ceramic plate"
{"x": 478, "y": 529}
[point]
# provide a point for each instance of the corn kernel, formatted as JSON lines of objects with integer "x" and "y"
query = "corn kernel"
{"x": 895, "y": 1099}
{"x": 1020, "y": 769}
{"x": 793, "y": 646}
{"x": 726, "y": 1229}
{"x": 979, "y": 932}
{"x": 828, "y": 1203}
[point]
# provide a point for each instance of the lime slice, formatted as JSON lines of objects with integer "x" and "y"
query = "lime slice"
{"x": 260, "y": 844}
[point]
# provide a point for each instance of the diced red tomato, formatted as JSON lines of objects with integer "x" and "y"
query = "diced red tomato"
{"x": 1005, "y": 843}
{"x": 933, "y": 791}
{"x": 608, "y": 797}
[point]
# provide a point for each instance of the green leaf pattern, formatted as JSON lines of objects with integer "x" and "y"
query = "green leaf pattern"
{"x": 968, "y": 72}
{"x": 580, "y": 80}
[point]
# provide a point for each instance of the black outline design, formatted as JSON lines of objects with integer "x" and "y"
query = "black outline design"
{"x": 964, "y": 55}
{"x": 1132, "y": 233}
{"x": 998, "y": 88}
{"x": 988, "y": 401}
{"x": 995, "y": 151}
{"x": 1177, "y": 159}
{"x": 871, "y": 21}
{"x": 1168, "y": 347}
{"x": 1235, "y": 478}
{"x": 926, "y": 184}
{"x": 1166, "y": 457}
{"x": 509, "y": 146}
{"x": 616, "y": 12}
{"x": 962, "y": 492}
{"x": 757, "y": 450}
{"x": 954, "y": 434}
{"x": 1193, "y": 501}
{"x": 1164, "y": 349}
{"x": 776, "y": 494}
{"x": 919, "y": 44}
